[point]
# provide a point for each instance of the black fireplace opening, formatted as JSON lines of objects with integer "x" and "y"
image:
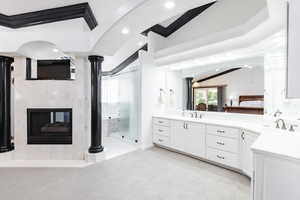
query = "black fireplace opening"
{"x": 49, "y": 126}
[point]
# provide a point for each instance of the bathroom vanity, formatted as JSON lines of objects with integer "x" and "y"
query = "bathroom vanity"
{"x": 220, "y": 142}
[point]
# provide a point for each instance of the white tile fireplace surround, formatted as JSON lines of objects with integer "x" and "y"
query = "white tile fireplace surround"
{"x": 74, "y": 94}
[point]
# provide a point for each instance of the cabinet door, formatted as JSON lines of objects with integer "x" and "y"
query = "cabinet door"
{"x": 248, "y": 139}
{"x": 179, "y": 135}
{"x": 196, "y": 139}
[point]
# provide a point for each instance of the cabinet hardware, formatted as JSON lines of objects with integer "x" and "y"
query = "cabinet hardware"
{"x": 160, "y": 140}
{"x": 160, "y": 122}
{"x": 187, "y": 126}
{"x": 221, "y": 157}
{"x": 184, "y": 125}
{"x": 220, "y": 131}
{"x": 221, "y": 143}
{"x": 160, "y": 130}
{"x": 243, "y": 135}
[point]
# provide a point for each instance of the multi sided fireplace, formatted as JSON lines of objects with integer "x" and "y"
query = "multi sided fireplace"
{"x": 49, "y": 126}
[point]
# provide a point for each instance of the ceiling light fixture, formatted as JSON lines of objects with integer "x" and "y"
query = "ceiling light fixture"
{"x": 169, "y": 4}
{"x": 125, "y": 31}
{"x": 141, "y": 43}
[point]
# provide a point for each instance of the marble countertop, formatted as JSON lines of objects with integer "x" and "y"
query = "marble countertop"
{"x": 271, "y": 141}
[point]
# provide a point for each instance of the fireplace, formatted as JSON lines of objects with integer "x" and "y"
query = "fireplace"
{"x": 49, "y": 126}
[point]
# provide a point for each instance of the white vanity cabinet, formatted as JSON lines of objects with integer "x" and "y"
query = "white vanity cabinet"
{"x": 188, "y": 137}
{"x": 161, "y": 131}
{"x": 276, "y": 178}
{"x": 224, "y": 145}
{"x": 247, "y": 140}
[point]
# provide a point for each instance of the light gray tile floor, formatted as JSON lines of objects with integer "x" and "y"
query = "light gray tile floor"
{"x": 154, "y": 174}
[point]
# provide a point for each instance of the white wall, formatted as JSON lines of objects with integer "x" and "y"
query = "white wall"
{"x": 51, "y": 94}
{"x": 241, "y": 82}
{"x": 152, "y": 79}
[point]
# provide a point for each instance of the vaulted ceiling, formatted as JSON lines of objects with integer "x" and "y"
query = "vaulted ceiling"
{"x": 112, "y": 16}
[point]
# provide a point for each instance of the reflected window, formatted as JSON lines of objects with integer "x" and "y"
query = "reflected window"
{"x": 207, "y": 98}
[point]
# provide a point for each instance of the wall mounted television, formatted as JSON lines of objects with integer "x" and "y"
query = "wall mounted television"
{"x": 53, "y": 69}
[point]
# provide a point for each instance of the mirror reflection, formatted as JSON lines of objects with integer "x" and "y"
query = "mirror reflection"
{"x": 233, "y": 87}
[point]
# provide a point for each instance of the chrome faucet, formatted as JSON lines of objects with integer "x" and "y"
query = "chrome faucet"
{"x": 283, "y": 127}
{"x": 277, "y": 113}
{"x": 292, "y": 127}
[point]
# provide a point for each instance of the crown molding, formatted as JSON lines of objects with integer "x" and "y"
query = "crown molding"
{"x": 125, "y": 63}
{"x": 82, "y": 10}
{"x": 178, "y": 23}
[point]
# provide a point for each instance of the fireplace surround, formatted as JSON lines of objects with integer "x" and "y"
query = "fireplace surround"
{"x": 49, "y": 126}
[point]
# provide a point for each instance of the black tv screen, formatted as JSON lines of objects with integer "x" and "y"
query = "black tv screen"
{"x": 53, "y": 69}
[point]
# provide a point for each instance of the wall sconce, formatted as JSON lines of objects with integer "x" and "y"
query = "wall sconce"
{"x": 171, "y": 92}
{"x": 161, "y": 96}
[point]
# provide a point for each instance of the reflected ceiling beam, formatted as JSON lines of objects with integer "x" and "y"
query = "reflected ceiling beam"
{"x": 82, "y": 10}
{"x": 125, "y": 63}
{"x": 219, "y": 74}
{"x": 178, "y": 23}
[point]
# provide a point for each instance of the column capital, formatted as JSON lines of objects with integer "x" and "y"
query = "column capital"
{"x": 189, "y": 78}
{"x": 94, "y": 58}
{"x": 10, "y": 59}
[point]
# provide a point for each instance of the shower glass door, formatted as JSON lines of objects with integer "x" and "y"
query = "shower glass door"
{"x": 120, "y": 106}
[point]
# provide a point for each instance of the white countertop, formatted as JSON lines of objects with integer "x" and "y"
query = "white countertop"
{"x": 283, "y": 144}
{"x": 273, "y": 142}
{"x": 250, "y": 126}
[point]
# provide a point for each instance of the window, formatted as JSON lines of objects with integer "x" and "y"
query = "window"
{"x": 206, "y": 99}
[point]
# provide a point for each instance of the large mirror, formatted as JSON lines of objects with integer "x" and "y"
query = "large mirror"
{"x": 233, "y": 87}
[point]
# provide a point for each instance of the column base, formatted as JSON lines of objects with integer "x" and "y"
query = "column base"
{"x": 96, "y": 149}
{"x": 7, "y": 149}
{"x": 94, "y": 157}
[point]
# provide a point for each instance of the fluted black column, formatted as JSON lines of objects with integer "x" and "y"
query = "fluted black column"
{"x": 96, "y": 117}
{"x": 189, "y": 98}
{"x": 5, "y": 125}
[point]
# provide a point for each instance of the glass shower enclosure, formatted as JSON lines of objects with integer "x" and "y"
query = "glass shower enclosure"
{"x": 120, "y": 106}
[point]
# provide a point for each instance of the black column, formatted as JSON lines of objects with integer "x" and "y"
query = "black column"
{"x": 5, "y": 125}
{"x": 96, "y": 116}
{"x": 189, "y": 98}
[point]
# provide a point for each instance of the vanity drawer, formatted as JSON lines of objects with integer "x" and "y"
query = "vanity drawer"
{"x": 223, "y": 131}
{"x": 222, "y": 157}
{"x": 161, "y": 140}
{"x": 222, "y": 143}
{"x": 161, "y": 130}
{"x": 161, "y": 122}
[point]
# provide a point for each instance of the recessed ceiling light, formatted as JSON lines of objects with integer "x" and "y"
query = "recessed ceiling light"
{"x": 55, "y": 50}
{"x": 125, "y": 31}
{"x": 140, "y": 43}
{"x": 169, "y": 4}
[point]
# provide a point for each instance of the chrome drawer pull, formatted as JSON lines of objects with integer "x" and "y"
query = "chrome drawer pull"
{"x": 221, "y": 157}
{"x": 160, "y": 130}
{"x": 160, "y": 140}
{"x": 221, "y": 143}
{"x": 160, "y": 122}
{"x": 220, "y": 131}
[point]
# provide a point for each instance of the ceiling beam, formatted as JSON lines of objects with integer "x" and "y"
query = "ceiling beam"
{"x": 219, "y": 74}
{"x": 82, "y": 10}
